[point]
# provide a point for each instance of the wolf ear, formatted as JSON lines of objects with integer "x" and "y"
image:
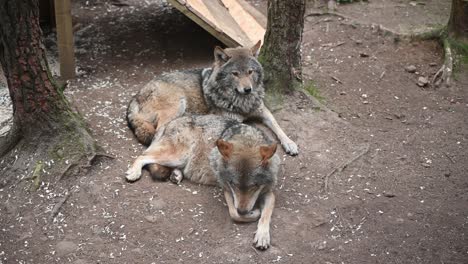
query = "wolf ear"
{"x": 225, "y": 148}
{"x": 220, "y": 55}
{"x": 255, "y": 49}
{"x": 267, "y": 152}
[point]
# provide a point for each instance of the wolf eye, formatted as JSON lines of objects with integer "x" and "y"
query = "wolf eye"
{"x": 235, "y": 73}
{"x": 250, "y": 71}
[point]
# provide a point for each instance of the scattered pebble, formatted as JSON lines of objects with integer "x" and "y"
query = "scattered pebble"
{"x": 411, "y": 69}
{"x": 422, "y": 81}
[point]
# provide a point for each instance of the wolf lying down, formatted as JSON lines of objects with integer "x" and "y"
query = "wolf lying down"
{"x": 212, "y": 149}
{"x": 232, "y": 87}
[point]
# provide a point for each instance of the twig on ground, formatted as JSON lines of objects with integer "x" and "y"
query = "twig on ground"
{"x": 59, "y": 205}
{"x": 331, "y": 45}
{"x": 343, "y": 166}
{"x": 382, "y": 75}
{"x": 450, "y": 158}
{"x": 336, "y": 79}
{"x": 445, "y": 72}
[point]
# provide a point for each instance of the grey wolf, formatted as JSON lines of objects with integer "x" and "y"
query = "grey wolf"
{"x": 232, "y": 87}
{"x": 211, "y": 149}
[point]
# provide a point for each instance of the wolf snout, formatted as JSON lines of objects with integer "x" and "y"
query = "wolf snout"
{"x": 242, "y": 211}
{"x": 247, "y": 90}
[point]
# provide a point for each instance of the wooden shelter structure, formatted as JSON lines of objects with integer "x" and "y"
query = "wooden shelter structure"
{"x": 233, "y": 22}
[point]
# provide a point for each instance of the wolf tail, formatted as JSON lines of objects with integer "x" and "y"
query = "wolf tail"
{"x": 142, "y": 125}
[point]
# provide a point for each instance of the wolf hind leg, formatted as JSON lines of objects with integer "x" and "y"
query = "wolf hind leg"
{"x": 145, "y": 127}
{"x": 158, "y": 172}
{"x": 164, "y": 155}
{"x": 176, "y": 176}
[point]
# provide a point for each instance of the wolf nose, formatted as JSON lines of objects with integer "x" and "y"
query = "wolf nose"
{"x": 247, "y": 90}
{"x": 242, "y": 211}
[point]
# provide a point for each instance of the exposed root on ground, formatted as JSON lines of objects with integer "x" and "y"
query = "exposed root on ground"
{"x": 318, "y": 105}
{"x": 49, "y": 157}
{"x": 58, "y": 205}
{"x": 343, "y": 166}
{"x": 430, "y": 34}
{"x": 444, "y": 74}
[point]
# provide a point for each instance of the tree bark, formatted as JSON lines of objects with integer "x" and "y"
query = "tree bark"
{"x": 281, "y": 52}
{"x": 38, "y": 104}
{"x": 43, "y": 121}
{"x": 458, "y": 23}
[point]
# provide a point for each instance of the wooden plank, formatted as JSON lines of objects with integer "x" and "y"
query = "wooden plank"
{"x": 226, "y": 22}
{"x": 233, "y": 22}
{"x": 250, "y": 26}
{"x": 65, "y": 38}
{"x": 207, "y": 25}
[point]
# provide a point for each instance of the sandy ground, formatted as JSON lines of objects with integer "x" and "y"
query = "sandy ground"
{"x": 393, "y": 152}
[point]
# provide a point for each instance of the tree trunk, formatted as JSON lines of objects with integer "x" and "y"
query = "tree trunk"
{"x": 458, "y": 23}
{"x": 42, "y": 117}
{"x": 38, "y": 104}
{"x": 281, "y": 52}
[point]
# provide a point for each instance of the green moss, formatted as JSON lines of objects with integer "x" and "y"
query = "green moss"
{"x": 434, "y": 34}
{"x": 460, "y": 48}
{"x": 36, "y": 177}
{"x": 312, "y": 89}
{"x": 273, "y": 100}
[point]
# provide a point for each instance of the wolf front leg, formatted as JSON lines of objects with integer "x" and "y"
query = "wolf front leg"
{"x": 262, "y": 236}
{"x": 250, "y": 217}
{"x": 134, "y": 173}
{"x": 269, "y": 120}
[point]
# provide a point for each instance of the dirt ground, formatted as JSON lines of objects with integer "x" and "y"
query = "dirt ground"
{"x": 401, "y": 198}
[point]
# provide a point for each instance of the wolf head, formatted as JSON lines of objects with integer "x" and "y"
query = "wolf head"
{"x": 236, "y": 80}
{"x": 245, "y": 165}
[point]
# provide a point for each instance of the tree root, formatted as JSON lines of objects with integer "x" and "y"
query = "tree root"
{"x": 317, "y": 104}
{"x": 444, "y": 74}
{"x": 343, "y": 166}
{"x": 70, "y": 167}
{"x": 59, "y": 205}
{"x": 430, "y": 34}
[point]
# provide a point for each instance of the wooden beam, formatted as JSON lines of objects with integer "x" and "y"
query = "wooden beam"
{"x": 233, "y": 22}
{"x": 65, "y": 38}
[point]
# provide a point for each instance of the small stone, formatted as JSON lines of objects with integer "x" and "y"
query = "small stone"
{"x": 432, "y": 64}
{"x": 365, "y": 102}
{"x": 64, "y": 248}
{"x": 447, "y": 174}
{"x": 389, "y": 194}
{"x": 400, "y": 220}
{"x": 363, "y": 55}
{"x": 358, "y": 41}
{"x": 322, "y": 245}
{"x": 342, "y": 93}
{"x": 158, "y": 204}
{"x": 151, "y": 218}
{"x": 411, "y": 69}
{"x": 422, "y": 81}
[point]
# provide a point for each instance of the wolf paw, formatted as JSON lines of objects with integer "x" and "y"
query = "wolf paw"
{"x": 290, "y": 147}
{"x": 176, "y": 176}
{"x": 133, "y": 175}
{"x": 262, "y": 239}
